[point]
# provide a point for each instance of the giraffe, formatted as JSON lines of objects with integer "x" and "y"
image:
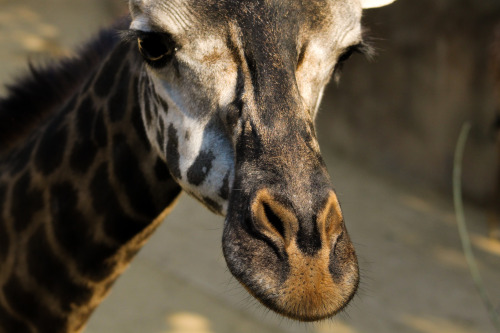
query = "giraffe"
{"x": 213, "y": 98}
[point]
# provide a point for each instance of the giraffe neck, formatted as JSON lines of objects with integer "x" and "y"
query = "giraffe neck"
{"x": 79, "y": 196}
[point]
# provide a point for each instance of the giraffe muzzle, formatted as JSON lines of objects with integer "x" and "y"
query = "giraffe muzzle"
{"x": 299, "y": 265}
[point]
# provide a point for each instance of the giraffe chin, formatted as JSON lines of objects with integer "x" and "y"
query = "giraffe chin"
{"x": 293, "y": 284}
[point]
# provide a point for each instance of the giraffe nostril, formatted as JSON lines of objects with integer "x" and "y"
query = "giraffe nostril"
{"x": 331, "y": 218}
{"x": 274, "y": 219}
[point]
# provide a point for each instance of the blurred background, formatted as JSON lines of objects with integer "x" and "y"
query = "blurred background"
{"x": 387, "y": 131}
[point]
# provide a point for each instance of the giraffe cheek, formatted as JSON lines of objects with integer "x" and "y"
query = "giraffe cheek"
{"x": 201, "y": 167}
{"x": 209, "y": 180}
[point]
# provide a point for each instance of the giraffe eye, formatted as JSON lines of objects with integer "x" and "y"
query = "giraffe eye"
{"x": 358, "y": 48}
{"x": 156, "y": 49}
{"x": 342, "y": 60}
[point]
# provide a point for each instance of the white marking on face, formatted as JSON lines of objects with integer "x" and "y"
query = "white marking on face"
{"x": 319, "y": 61}
{"x": 221, "y": 165}
{"x": 211, "y": 60}
{"x": 314, "y": 71}
{"x": 201, "y": 138}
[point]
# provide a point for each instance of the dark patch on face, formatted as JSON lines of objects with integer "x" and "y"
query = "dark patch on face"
{"x": 148, "y": 112}
{"x": 51, "y": 148}
{"x": 224, "y": 190}
{"x": 156, "y": 99}
{"x": 149, "y": 102}
{"x": 271, "y": 53}
{"x": 212, "y": 205}
{"x": 128, "y": 171}
{"x": 252, "y": 67}
{"x": 25, "y": 202}
{"x": 4, "y": 239}
{"x": 145, "y": 92}
{"x": 52, "y": 274}
{"x": 161, "y": 170}
{"x": 200, "y": 168}
{"x": 162, "y": 127}
{"x": 234, "y": 50}
{"x": 172, "y": 152}
{"x": 160, "y": 134}
{"x": 82, "y": 156}
{"x": 10, "y": 324}
{"x": 250, "y": 142}
{"x": 308, "y": 238}
{"x": 164, "y": 105}
{"x": 308, "y": 133}
{"x": 116, "y": 225}
{"x": 117, "y": 105}
{"x": 235, "y": 108}
{"x": 28, "y": 304}
{"x": 107, "y": 75}
{"x": 73, "y": 232}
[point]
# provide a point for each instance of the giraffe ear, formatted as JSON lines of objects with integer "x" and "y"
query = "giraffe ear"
{"x": 375, "y": 3}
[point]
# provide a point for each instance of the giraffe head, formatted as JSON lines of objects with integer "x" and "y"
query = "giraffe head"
{"x": 230, "y": 90}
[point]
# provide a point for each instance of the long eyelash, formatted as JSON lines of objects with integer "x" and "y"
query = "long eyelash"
{"x": 366, "y": 47}
{"x": 363, "y": 48}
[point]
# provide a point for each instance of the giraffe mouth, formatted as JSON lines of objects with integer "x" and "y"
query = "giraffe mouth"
{"x": 303, "y": 280}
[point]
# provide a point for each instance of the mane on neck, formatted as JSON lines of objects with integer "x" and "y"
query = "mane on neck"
{"x": 44, "y": 89}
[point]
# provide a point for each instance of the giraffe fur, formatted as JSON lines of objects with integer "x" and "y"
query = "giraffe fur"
{"x": 77, "y": 197}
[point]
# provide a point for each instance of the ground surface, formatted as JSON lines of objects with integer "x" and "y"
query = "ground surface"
{"x": 415, "y": 279}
